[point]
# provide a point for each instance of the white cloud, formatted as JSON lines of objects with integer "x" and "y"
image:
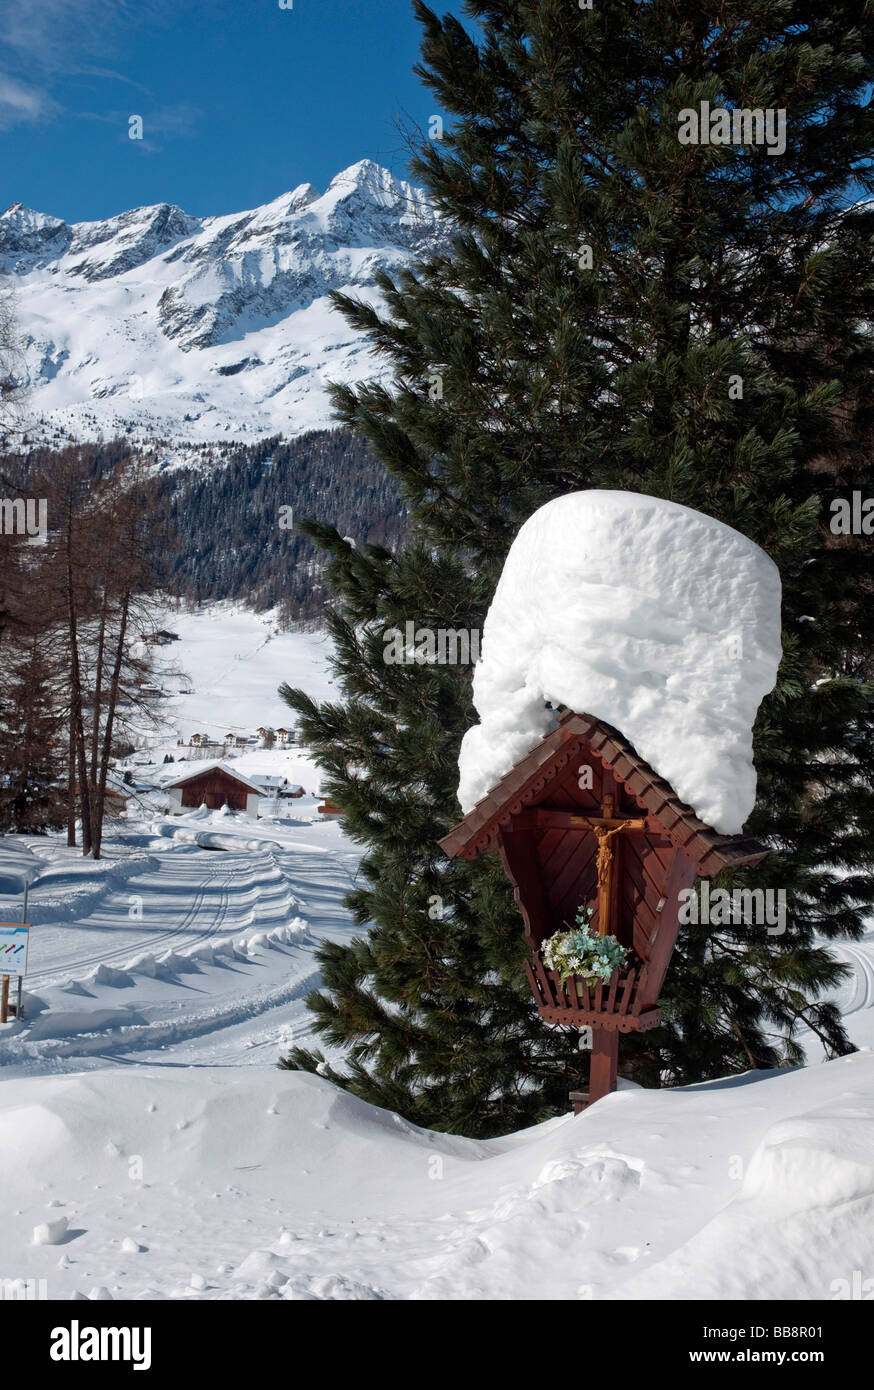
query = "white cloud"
{"x": 53, "y": 37}
{"x": 51, "y": 34}
{"x": 46, "y": 41}
{"x": 20, "y": 104}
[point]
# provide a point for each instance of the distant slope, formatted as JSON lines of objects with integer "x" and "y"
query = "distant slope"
{"x": 159, "y": 324}
{"x": 223, "y": 675}
{"x": 230, "y": 543}
{"x": 230, "y": 507}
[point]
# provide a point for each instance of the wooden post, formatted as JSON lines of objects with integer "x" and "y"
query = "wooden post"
{"x": 605, "y": 1059}
{"x": 579, "y": 1100}
{"x": 4, "y": 1000}
{"x": 602, "y": 1069}
{"x": 19, "y": 1008}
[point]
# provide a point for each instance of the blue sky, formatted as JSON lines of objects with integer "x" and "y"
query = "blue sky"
{"x": 240, "y": 99}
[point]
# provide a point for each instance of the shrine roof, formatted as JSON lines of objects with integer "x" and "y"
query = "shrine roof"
{"x": 478, "y": 832}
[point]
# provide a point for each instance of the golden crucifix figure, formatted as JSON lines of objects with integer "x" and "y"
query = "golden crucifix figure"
{"x": 606, "y": 826}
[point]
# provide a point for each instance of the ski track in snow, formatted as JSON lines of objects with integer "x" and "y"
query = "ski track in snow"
{"x": 141, "y": 1099}
{"x": 230, "y": 1010}
{"x": 857, "y": 993}
{"x": 184, "y": 931}
{"x": 162, "y": 995}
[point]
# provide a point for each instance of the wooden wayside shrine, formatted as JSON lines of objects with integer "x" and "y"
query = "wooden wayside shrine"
{"x": 581, "y": 819}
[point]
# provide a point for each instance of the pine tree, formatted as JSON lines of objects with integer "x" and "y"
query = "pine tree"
{"x": 617, "y": 308}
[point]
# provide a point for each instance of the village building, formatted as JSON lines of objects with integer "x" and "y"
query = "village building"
{"x": 204, "y": 746}
{"x": 116, "y": 796}
{"x": 271, "y": 783}
{"x": 214, "y": 786}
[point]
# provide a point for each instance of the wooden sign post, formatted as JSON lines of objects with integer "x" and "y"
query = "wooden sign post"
{"x": 624, "y": 846}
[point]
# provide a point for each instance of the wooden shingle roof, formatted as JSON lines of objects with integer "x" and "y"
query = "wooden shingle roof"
{"x": 478, "y": 832}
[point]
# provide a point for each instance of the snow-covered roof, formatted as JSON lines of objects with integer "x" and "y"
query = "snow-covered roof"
{"x": 580, "y": 735}
{"x": 200, "y": 768}
{"x": 655, "y": 618}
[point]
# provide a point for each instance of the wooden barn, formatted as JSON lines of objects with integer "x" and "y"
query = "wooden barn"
{"x": 582, "y": 820}
{"x": 214, "y": 786}
{"x": 116, "y": 796}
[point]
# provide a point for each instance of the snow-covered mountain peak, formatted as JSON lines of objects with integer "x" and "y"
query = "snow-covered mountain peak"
{"x": 99, "y": 250}
{"x": 29, "y": 238}
{"x": 298, "y": 198}
{"x": 370, "y": 178}
{"x": 367, "y": 186}
{"x": 24, "y": 219}
{"x": 154, "y": 321}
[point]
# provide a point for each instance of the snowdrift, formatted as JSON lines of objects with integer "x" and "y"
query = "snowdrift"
{"x": 222, "y": 1183}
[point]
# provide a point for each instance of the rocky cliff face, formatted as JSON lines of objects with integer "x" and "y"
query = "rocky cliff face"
{"x": 158, "y": 323}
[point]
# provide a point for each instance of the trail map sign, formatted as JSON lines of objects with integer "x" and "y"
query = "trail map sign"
{"x": 13, "y": 948}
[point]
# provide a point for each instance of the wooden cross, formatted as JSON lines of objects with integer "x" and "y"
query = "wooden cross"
{"x": 606, "y": 826}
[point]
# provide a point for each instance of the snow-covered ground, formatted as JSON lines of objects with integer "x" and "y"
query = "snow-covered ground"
{"x": 216, "y": 1182}
{"x": 203, "y": 954}
{"x": 232, "y": 661}
{"x": 195, "y": 933}
{"x": 142, "y": 1111}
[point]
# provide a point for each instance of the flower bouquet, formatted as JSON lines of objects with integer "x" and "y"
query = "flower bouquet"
{"x": 577, "y": 951}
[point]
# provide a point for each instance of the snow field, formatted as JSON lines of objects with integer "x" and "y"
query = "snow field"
{"x": 151, "y": 1149}
{"x": 205, "y": 953}
{"x": 213, "y": 1183}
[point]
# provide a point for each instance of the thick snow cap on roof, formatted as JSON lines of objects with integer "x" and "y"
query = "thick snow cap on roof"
{"x": 655, "y": 618}
{"x": 199, "y": 768}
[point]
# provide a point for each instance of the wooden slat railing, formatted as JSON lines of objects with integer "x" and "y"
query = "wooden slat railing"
{"x": 618, "y": 995}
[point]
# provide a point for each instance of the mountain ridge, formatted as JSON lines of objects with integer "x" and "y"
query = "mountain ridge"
{"x": 157, "y": 323}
